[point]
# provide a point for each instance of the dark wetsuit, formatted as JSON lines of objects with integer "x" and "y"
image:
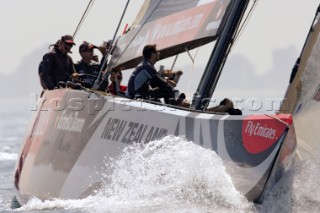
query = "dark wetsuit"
{"x": 144, "y": 77}
{"x": 92, "y": 70}
{"x": 55, "y": 67}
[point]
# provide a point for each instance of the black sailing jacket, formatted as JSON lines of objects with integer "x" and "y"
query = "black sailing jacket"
{"x": 55, "y": 67}
{"x": 144, "y": 76}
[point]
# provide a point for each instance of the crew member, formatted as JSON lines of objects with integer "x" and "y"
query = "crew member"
{"x": 57, "y": 66}
{"x": 145, "y": 81}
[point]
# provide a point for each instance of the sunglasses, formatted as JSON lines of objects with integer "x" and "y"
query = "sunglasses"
{"x": 87, "y": 50}
{"x": 68, "y": 44}
{"x": 119, "y": 77}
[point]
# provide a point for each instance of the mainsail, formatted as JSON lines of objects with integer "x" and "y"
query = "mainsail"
{"x": 303, "y": 94}
{"x": 173, "y": 25}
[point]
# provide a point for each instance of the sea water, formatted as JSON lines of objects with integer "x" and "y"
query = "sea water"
{"x": 169, "y": 175}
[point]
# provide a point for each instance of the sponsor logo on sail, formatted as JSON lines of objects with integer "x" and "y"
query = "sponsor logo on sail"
{"x": 213, "y": 25}
{"x": 171, "y": 29}
{"x": 202, "y": 2}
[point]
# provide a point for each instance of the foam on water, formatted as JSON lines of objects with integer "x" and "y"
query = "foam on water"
{"x": 58, "y": 205}
{"x": 170, "y": 172}
{"x": 162, "y": 176}
{"x": 6, "y": 154}
{"x": 173, "y": 175}
{"x": 298, "y": 190}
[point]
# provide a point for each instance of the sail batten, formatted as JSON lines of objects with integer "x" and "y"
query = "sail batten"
{"x": 173, "y": 26}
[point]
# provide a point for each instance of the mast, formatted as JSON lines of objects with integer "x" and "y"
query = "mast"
{"x": 218, "y": 56}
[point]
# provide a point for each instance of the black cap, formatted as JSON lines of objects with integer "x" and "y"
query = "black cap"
{"x": 85, "y": 46}
{"x": 68, "y": 39}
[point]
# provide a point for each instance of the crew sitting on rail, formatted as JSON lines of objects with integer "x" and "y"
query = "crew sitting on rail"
{"x": 146, "y": 83}
{"x": 170, "y": 75}
{"x": 173, "y": 77}
{"x": 226, "y": 106}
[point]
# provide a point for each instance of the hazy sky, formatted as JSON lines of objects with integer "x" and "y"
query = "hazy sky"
{"x": 33, "y": 24}
{"x": 271, "y": 41}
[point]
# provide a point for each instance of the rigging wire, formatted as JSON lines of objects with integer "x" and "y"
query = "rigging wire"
{"x": 84, "y": 15}
{"x": 241, "y": 28}
{"x": 174, "y": 62}
{"x": 235, "y": 34}
{"x": 245, "y": 22}
{"x": 236, "y": 37}
{"x": 190, "y": 73}
{"x": 138, "y": 31}
{"x": 97, "y": 83}
{"x": 278, "y": 119}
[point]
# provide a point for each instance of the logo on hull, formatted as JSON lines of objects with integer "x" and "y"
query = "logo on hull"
{"x": 128, "y": 132}
{"x": 70, "y": 123}
{"x": 260, "y": 132}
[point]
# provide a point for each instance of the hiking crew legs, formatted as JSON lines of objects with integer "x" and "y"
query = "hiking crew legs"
{"x": 157, "y": 93}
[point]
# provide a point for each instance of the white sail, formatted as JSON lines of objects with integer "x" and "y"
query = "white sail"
{"x": 303, "y": 95}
